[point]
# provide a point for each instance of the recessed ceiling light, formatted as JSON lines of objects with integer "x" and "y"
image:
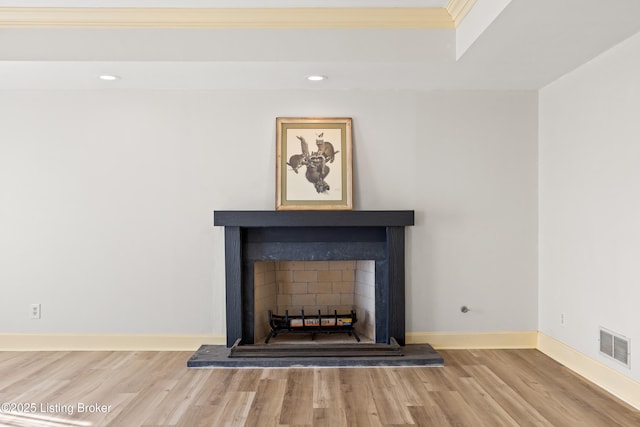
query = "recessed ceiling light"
{"x": 316, "y": 78}
{"x": 109, "y": 77}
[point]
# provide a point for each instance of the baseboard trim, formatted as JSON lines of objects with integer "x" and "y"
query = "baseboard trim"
{"x": 135, "y": 342}
{"x": 106, "y": 342}
{"x": 596, "y": 372}
{"x": 474, "y": 340}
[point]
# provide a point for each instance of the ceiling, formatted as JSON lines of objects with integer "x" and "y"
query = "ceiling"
{"x": 512, "y": 45}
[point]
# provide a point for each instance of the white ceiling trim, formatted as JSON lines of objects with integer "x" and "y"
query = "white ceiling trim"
{"x": 419, "y": 18}
{"x": 255, "y": 4}
{"x": 458, "y": 9}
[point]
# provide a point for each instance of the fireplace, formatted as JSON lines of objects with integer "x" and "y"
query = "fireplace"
{"x": 256, "y": 237}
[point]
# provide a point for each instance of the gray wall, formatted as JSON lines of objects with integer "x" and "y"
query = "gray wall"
{"x": 106, "y": 201}
{"x": 590, "y": 204}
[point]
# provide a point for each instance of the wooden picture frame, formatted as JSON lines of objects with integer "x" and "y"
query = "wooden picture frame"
{"x": 314, "y": 167}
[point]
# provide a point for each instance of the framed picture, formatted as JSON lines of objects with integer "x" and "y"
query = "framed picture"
{"x": 314, "y": 168}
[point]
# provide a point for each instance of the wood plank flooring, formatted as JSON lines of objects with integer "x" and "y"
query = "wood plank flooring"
{"x": 475, "y": 388}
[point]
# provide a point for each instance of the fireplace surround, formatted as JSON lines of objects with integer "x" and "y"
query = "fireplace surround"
{"x": 252, "y": 236}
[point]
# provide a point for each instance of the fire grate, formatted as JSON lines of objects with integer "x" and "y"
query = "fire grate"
{"x": 324, "y": 324}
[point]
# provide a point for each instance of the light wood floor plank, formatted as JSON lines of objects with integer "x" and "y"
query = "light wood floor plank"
{"x": 546, "y": 393}
{"x": 359, "y": 407}
{"x": 508, "y": 398}
{"x": 236, "y": 411}
{"x": 326, "y": 389}
{"x": 475, "y": 388}
{"x": 329, "y": 417}
{"x": 391, "y": 407}
{"x": 268, "y": 402}
{"x": 297, "y": 407}
{"x": 182, "y": 395}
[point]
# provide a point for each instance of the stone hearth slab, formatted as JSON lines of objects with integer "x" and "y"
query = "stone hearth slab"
{"x": 217, "y": 356}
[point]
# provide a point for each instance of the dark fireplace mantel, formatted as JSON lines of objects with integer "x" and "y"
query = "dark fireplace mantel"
{"x": 252, "y": 236}
{"x": 313, "y": 218}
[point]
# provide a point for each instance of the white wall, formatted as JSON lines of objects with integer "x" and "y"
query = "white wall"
{"x": 590, "y": 204}
{"x": 475, "y": 239}
{"x": 106, "y": 201}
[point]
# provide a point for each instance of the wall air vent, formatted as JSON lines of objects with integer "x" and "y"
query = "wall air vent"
{"x": 615, "y": 346}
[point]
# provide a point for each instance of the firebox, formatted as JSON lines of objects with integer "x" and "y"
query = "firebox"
{"x": 317, "y": 299}
{"x": 258, "y": 241}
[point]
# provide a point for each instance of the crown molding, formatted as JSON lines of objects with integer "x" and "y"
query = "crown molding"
{"x": 458, "y": 9}
{"x": 285, "y": 18}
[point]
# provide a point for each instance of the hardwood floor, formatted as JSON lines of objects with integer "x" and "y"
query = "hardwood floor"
{"x": 475, "y": 388}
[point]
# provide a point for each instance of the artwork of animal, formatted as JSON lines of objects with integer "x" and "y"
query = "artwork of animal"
{"x": 304, "y": 146}
{"x": 326, "y": 148}
{"x": 317, "y": 170}
{"x": 316, "y": 162}
{"x": 296, "y": 162}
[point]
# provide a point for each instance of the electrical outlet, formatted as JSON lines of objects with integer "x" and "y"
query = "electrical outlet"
{"x": 35, "y": 311}
{"x": 563, "y": 319}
